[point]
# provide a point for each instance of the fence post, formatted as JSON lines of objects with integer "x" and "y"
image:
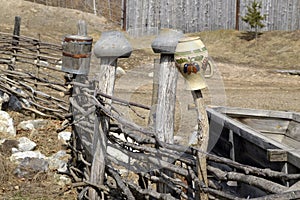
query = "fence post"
{"x": 237, "y": 15}
{"x": 191, "y": 60}
{"x": 203, "y": 136}
{"x": 165, "y": 44}
{"x": 82, "y": 28}
{"x": 17, "y": 29}
{"x": 111, "y": 46}
{"x": 15, "y": 41}
{"x": 76, "y": 62}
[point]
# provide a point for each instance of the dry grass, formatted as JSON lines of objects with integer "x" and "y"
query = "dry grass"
{"x": 41, "y": 185}
{"x": 274, "y": 50}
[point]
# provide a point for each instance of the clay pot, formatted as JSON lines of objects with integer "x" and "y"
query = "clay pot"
{"x": 191, "y": 58}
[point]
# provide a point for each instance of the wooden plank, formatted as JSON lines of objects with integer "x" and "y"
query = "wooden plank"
{"x": 277, "y": 155}
{"x": 294, "y": 187}
{"x": 293, "y": 158}
{"x": 250, "y": 154}
{"x": 243, "y": 112}
{"x": 293, "y": 131}
{"x": 296, "y": 117}
{"x": 290, "y": 142}
{"x": 253, "y": 136}
{"x": 276, "y": 137}
{"x": 266, "y": 125}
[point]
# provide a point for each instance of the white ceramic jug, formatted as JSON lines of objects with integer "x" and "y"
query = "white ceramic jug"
{"x": 191, "y": 58}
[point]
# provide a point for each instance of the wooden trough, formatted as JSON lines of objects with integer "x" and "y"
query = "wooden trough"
{"x": 260, "y": 138}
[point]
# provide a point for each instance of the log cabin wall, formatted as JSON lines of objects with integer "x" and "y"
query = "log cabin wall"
{"x": 148, "y": 16}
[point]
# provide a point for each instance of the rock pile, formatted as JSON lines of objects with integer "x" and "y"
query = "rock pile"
{"x": 22, "y": 151}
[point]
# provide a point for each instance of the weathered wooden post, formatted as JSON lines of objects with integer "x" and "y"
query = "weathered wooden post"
{"x": 76, "y": 63}
{"x": 17, "y": 29}
{"x": 165, "y": 44}
{"x": 191, "y": 60}
{"x": 15, "y": 41}
{"x": 111, "y": 46}
{"x": 203, "y": 136}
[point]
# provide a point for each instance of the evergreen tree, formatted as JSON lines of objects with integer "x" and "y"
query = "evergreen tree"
{"x": 254, "y": 17}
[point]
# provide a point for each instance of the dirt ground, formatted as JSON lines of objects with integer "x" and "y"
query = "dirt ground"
{"x": 245, "y": 77}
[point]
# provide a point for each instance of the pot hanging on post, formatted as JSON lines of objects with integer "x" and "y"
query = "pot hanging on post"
{"x": 76, "y": 54}
{"x": 191, "y": 59}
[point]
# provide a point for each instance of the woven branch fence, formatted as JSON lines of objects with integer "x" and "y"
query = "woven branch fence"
{"x": 142, "y": 149}
{"x": 30, "y": 70}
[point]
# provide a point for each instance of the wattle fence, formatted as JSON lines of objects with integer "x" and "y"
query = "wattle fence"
{"x": 31, "y": 70}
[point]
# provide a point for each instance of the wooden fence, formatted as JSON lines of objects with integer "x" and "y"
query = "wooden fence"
{"x": 149, "y": 16}
{"x": 149, "y": 161}
{"x": 31, "y": 70}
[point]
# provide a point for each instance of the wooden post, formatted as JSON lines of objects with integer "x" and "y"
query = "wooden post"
{"x": 237, "y": 15}
{"x": 37, "y": 70}
{"x": 165, "y": 44}
{"x": 82, "y": 138}
{"x": 152, "y": 117}
{"x": 17, "y": 29}
{"x": 15, "y": 42}
{"x": 188, "y": 49}
{"x": 124, "y": 15}
{"x": 202, "y": 143}
{"x": 82, "y": 28}
{"x": 111, "y": 46}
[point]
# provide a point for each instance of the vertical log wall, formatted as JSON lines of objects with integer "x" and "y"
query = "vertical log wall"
{"x": 144, "y": 17}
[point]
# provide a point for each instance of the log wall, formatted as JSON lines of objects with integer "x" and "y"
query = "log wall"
{"x": 148, "y": 16}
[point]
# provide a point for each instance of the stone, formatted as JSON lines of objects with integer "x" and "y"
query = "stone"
{"x": 193, "y": 139}
{"x": 59, "y": 161}
{"x": 14, "y": 150}
{"x": 14, "y": 103}
{"x": 62, "y": 180}
{"x": 33, "y": 124}
{"x": 151, "y": 74}
{"x": 19, "y": 156}
{"x": 64, "y": 137}
{"x": 3, "y": 98}
{"x": 120, "y": 71}
{"x": 26, "y": 144}
{"x": 6, "y": 124}
{"x": 7, "y": 146}
{"x": 178, "y": 139}
{"x": 119, "y": 155}
{"x": 30, "y": 166}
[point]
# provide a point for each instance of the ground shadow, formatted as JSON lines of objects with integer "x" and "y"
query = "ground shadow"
{"x": 249, "y": 35}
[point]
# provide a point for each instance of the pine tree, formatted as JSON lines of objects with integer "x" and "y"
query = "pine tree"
{"x": 254, "y": 17}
